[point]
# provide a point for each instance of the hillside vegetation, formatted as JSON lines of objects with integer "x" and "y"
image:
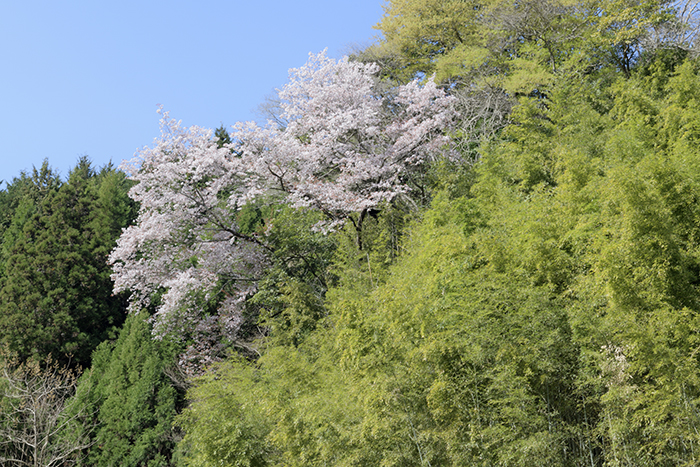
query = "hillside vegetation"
{"x": 475, "y": 242}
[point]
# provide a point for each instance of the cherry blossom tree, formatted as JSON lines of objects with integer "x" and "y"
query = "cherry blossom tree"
{"x": 346, "y": 148}
{"x": 185, "y": 245}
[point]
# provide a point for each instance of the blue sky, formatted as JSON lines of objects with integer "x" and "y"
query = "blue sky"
{"x": 86, "y": 77}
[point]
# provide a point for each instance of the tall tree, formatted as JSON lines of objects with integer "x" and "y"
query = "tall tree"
{"x": 19, "y": 200}
{"x": 56, "y": 289}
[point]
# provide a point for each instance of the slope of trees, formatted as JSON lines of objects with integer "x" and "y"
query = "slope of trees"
{"x": 499, "y": 265}
{"x": 544, "y": 314}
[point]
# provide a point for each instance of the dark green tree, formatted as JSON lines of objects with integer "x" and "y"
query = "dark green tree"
{"x": 133, "y": 401}
{"x": 18, "y": 201}
{"x": 34, "y": 185}
{"x": 56, "y": 289}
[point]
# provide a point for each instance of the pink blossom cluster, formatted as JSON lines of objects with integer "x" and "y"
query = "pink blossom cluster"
{"x": 184, "y": 244}
{"x": 346, "y": 148}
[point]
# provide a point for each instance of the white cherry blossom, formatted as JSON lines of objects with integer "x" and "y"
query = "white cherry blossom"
{"x": 346, "y": 149}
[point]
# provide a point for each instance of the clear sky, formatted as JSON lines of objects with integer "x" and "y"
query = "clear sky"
{"x": 86, "y": 77}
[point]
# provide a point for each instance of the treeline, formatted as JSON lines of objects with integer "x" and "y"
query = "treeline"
{"x": 498, "y": 265}
{"x": 55, "y": 281}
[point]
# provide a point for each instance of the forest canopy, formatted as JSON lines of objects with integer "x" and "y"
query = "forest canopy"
{"x": 475, "y": 242}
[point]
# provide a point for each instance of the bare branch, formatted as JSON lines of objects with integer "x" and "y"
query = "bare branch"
{"x": 40, "y": 426}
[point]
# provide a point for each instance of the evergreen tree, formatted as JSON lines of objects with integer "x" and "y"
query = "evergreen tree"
{"x": 18, "y": 201}
{"x": 56, "y": 288}
{"x": 133, "y": 401}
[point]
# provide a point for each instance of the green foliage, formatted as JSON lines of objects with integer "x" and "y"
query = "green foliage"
{"x": 521, "y": 47}
{"x": 133, "y": 401}
{"x": 543, "y": 311}
{"x": 222, "y": 136}
{"x": 290, "y": 296}
{"x": 18, "y": 202}
{"x": 418, "y": 32}
{"x": 56, "y": 290}
{"x": 221, "y": 427}
{"x": 614, "y": 230}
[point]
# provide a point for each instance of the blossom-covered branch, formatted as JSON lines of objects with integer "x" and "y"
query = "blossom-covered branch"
{"x": 346, "y": 149}
{"x": 185, "y": 241}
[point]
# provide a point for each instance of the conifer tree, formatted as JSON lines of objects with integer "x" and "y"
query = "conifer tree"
{"x": 132, "y": 399}
{"x": 18, "y": 201}
{"x": 56, "y": 292}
